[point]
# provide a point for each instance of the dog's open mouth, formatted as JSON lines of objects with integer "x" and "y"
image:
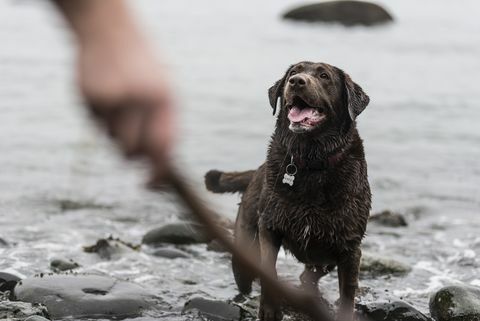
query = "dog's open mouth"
{"x": 304, "y": 117}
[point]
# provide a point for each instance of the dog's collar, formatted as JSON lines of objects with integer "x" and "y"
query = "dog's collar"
{"x": 319, "y": 164}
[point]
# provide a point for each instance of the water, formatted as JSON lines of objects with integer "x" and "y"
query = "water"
{"x": 420, "y": 135}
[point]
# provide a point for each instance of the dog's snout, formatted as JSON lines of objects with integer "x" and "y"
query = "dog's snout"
{"x": 297, "y": 80}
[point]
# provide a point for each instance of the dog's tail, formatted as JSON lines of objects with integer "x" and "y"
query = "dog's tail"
{"x": 231, "y": 182}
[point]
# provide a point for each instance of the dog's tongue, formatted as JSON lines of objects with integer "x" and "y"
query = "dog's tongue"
{"x": 297, "y": 115}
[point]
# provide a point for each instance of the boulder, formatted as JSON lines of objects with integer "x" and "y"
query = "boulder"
{"x": 36, "y": 318}
{"x": 395, "y": 311}
{"x": 110, "y": 247}
{"x": 374, "y": 265}
{"x": 75, "y": 205}
{"x": 13, "y": 311}
{"x": 388, "y": 218}
{"x": 348, "y": 13}
{"x": 170, "y": 253}
{"x": 84, "y": 296}
{"x": 60, "y": 265}
{"x": 213, "y": 310}
{"x": 177, "y": 233}
{"x": 3, "y": 243}
{"x": 456, "y": 303}
{"x": 8, "y": 281}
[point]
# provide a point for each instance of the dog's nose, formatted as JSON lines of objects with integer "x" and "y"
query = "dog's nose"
{"x": 297, "y": 81}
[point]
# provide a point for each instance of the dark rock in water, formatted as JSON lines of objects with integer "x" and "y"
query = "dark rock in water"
{"x": 177, "y": 233}
{"x": 3, "y": 243}
{"x": 60, "y": 265}
{"x": 110, "y": 247}
{"x": 388, "y": 218}
{"x": 8, "y": 281}
{"x": 170, "y": 253}
{"x": 394, "y": 311}
{"x": 83, "y": 296}
{"x": 36, "y": 318}
{"x": 348, "y": 13}
{"x": 373, "y": 265}
{"x": 456, "y": 303}
{"x": 74, "y": 205}
{"x": 12, "y": 311}
{"x": 213, "y": 310}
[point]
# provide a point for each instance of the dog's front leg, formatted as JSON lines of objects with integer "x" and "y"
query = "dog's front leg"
{"x": 269, "y": 304}
{"x": 348, "y": 269}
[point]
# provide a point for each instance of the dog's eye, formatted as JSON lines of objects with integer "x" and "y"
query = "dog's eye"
{"x": 293, "y": 72}
{"x": 324, "y": 76}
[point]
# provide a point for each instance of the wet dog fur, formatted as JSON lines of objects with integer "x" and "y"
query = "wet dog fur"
{"x": 322, "y": 218}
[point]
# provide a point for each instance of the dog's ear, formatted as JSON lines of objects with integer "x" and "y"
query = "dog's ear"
{"x": 276, "y": 91}
{"x": 357, "y": 99}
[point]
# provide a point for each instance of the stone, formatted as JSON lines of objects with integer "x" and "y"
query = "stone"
{"x": 3, "y": 243}
{"x": 345, "y": 12}
{"x": 170, "y": 253}
{"x": 60, "y": 265}
{"x": 8, "y": 281}
{"x": 13, "y": 311}
{"x": 36, "y": 318}
{"x": 385, "y": 311}
{"x": 75, "y": 205}
{"x": 110, "y": 247}
{"x": 456, "y": 303}
{"x": 374, "y": 265}
{"x": 389, "y": 218}
{"x": 213, "y": 310}
{"x": 177, "y": 233}
{"x": 86, "y": 295}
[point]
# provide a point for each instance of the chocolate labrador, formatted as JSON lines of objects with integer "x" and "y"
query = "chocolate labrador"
{"x": 312, "y": 194}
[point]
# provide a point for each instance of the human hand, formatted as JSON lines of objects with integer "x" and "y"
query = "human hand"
{"x": 128, "y": 91}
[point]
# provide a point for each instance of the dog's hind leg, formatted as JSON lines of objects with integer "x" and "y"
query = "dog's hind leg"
{"x": 312, "y": 274}
{"x": 245, "y": 237}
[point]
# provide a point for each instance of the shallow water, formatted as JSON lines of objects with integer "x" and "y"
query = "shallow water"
{"x": 420, "y": 135}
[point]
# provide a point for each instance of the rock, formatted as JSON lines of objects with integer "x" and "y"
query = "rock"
{"x": 177, "y": 233}
{"x": 8, "y": 281}
{"x": 348, "y": 13}
{"x": 13, "y": 311}
{"x": 395, "y": 311}
{"x": 73, "y": 205}
{"x": 60, "y": 265}
{"x": 169, "y": 253}
{"x": 84, "y": 296}
{"x": 456, "y": 303}
{"x": 373, "y": 265}
{"x": 110, "y": 247}
{"x": 388, "y": 218}
{"x": 3, "y": 243}
{"x": 213, "y": 310}
{"x": 35, "y": 318}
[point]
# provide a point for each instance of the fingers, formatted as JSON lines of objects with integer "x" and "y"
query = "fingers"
{"x": 142, "y": 127}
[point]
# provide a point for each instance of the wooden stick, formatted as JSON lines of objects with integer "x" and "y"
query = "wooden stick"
{"x": 301, "y": 300}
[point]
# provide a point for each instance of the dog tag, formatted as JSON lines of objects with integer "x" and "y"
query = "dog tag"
{"x": 288, "y": 179}
{"x": 290, "y": 172}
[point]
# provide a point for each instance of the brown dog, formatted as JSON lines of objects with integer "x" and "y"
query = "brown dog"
{"x": 312, "y": 194}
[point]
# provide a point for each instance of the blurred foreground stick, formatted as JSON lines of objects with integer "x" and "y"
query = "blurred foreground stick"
{"x": 114, "y": 120}
{"x": 301, "y": 300}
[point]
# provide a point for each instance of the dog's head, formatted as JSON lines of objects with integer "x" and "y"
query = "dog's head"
{"x": 316, "y": 97}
